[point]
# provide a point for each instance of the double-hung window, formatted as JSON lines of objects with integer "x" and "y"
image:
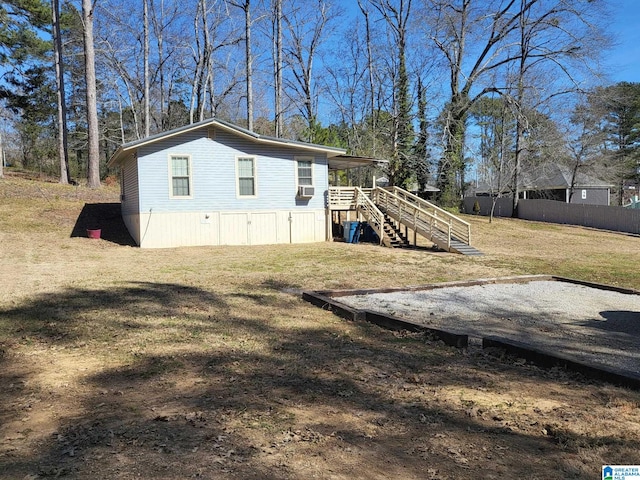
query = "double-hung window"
{"x": 304, "y": 171}
{"x": 246, "y": 169}
{"x": 180, "y": 167}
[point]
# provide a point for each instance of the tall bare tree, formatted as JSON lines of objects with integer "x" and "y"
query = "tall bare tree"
{"x": 245, "y": 6}
{"x": 347, "y": 88}
{"x": 373, "y": 112}
{"x": 161, "y": 18}
{"x": 63, "y": 151}
{"x": 210, "y": 40}
{"x": 396, "y": 14}
{"x": 278, "y": 67}
{"x": 521, "y": 33}
{"x": 488, "y": 25}
{"x": 147, "y": 94}
{"x": 306, "y": 29}
{"x": 93, "y": 170}
{"x": 559, "y": 40}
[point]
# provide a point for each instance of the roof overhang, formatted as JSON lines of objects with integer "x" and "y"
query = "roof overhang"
{"x": 346, "y": 162}
{"x": 127, "y": 149}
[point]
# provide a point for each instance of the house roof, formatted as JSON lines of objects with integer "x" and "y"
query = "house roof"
{"x": 550, "y": 177}
{"x": 125, "y": 149}
{"x": 345, "y": 162}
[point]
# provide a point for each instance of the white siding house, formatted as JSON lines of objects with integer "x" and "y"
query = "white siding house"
{"x": 213, "y": 183}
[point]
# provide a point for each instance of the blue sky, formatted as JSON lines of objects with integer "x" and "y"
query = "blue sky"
{"x": 623, "y": 62}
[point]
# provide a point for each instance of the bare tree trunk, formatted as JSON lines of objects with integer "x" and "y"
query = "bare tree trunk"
{"x": 93, "y": 170}
{"x": 247, "y": 13}
{"x": 397, "y": 18}
{"x": 212, "y": 92}
{"x": 134, "y": 110}
{"x": 197, "y": 76}
{"x": 246, "y": 7}
{"x": 122, "y": 137}
{"x": 63, "y": 152}
{"x": 519, "y": 109}
{"x": 501, "y": 162}
{"x": 279, "y": 118}
{"x": 374, "y": 116}
{"x": 207, "y": 71}
{"x": 519, "y": 148}
{"x": 147, "y": 109}
{"x": 159, "y": 33}
{"x": 163, "y": 108}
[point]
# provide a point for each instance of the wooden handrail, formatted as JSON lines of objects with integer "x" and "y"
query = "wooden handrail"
{"x": 371, "y": 212}
{"x": 341, "y": 197}
{"x": 412, "y": 216}
{"x": 423, "y": 217}
{"x": 459, "y": 228}
{"x": 359, "y": 199}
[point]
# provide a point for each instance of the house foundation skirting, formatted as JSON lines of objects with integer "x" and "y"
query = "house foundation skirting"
{"x": 256, "y": 227}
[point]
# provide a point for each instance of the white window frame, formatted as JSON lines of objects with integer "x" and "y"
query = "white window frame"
{"x": 313, "y": 170}
{"x": 190, "y": 166}
{"x": 255, "y": 175}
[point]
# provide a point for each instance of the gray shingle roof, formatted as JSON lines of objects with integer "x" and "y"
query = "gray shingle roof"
{"x": 124, "y": 149}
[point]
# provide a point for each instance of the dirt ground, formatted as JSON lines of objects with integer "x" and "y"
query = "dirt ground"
{"x": 117, "y": 362}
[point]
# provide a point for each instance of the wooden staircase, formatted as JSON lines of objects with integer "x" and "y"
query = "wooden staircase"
{"x": 390, "y": 210}
{"x": 447, "y": 231}
{"x": 395, "y": 235}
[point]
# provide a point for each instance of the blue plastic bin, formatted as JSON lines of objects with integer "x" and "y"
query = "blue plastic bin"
{"x": 356, "y": 233}
{"x": 351, "y": 232}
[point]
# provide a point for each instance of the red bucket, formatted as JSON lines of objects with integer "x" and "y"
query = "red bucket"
{"x": 94, "y": 232}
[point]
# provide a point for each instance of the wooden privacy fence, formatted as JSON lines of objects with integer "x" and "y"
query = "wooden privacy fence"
{"x": 604, "y": 217}
{"x": 504, "y": 206}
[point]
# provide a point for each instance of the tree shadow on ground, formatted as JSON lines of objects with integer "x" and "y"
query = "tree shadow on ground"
{"x": 77, "y": 314}
{"x": 353, "y": 403}
{"x": 104, "y": 216}
{"x": 621, "y": 321}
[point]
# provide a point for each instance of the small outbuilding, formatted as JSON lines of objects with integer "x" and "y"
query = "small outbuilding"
{"x": 214, "y": 183}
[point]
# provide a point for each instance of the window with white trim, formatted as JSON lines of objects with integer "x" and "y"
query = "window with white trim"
{"x": 304, "y": 171}
{"x": 246, "y": 169}
{"x": 180, "y": 175}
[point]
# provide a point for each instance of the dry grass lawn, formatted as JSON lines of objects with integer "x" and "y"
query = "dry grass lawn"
{"x": 117, "y": 362}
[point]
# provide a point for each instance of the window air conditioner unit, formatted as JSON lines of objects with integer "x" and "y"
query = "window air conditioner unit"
{"x": 305, "y": 191}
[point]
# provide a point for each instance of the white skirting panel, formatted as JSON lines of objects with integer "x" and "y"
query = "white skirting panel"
{"x": 132, "y": 222}
{"x": 161, "y": 230}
